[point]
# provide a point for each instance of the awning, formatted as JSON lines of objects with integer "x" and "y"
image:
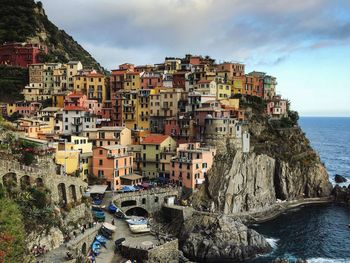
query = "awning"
{"x": 97, "y": 189}
{"x": 132, "y": 177}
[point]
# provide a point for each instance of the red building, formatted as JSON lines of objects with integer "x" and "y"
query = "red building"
{"x": 179, "y": 80}
{"x": 20, "y": 54}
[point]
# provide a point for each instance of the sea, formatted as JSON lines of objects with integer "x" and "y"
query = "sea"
{"x": 317, "y": 233}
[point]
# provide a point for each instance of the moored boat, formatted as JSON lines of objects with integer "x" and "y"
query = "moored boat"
{"x": 137, "y": 229}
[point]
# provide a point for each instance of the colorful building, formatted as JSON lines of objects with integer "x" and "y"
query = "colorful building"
{"x": 153, "y": 146}
{"x": 92, "y": 84}
{"x": 115, "y": 164}
{"x": 191, "y": 164}
{"x": 277, "y": 107}
{"x": 20, "y": 54}
{"x": 108, "y": 136}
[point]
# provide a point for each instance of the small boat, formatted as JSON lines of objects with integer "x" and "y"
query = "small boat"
{"x": 137, "y": 221}
{"x": 97, "y": 201}
{"x": 109, "y": 226}
{"x": 96, "y": 246}
{"x": 137, "y": 229}
{"x": 101, "y": 239}
{"x": 112, "y": 208}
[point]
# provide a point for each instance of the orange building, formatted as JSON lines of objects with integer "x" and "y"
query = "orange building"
{"x": 114, "y": 163}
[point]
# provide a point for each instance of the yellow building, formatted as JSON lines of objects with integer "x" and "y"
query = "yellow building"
{"x": 143, "y": 107}
{"x": 223, "y": 91}
{"x": 10, "y": 108}
{"x": 132, "y": 81}
{"x": 75, "y": 156}
{"x": 69, "y": 161}
{"x": 237, "y": 85}
{"x": 92, "y": 84}
{"x": 154, "y": 146}
{"x": 232, "y": 103}
{"x": 171, "y": 65}
{"x": 58, "y": 100}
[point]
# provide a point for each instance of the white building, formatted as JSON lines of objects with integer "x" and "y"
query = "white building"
{"x": 76, "y": 119}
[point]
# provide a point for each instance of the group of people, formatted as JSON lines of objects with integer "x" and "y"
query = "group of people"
{"x": 38, "y": 250}
{"x": 82, "y": 229}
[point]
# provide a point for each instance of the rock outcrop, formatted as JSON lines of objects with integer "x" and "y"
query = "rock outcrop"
{"x": 341, "y": 194}
{"x": 281, "y": 165}
{"x": 339, "y": 179}
{"x": 205, "y": 238}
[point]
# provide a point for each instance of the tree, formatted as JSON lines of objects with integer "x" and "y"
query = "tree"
{"x": 12, "y": 235}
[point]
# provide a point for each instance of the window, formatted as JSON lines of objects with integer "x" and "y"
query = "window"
{"x": 100, "y": 152}
{"x": 100, "y": 162}
{"x": 188, "y": 176}
{"x": 157, "y": 147}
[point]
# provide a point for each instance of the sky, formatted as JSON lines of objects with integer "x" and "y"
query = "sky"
{"x": 304, "y": 43}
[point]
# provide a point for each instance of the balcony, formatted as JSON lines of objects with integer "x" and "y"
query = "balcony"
{"x": 165, "y": 106}
{"x": 76, "y": 122}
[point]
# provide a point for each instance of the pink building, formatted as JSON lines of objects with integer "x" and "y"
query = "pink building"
{"x": 150, "y": 80}
{"x": 277, "y": 107}
{"x": 171, "y": 127}
{"x": 27, "y": 109}
{"x": 94, "y": 106}
{"x": 192, "y": 162}
{"x": 75, "y": 99}
{"x": 114, "y": 163}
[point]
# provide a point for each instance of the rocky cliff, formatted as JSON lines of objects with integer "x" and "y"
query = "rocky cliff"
{"x": 281, "y": 165}
{"x": 206, "y": 238}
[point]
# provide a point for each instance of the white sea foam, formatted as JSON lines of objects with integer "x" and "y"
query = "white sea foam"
{"x": 328, "y": 260}
{"x": 272, "y": 241}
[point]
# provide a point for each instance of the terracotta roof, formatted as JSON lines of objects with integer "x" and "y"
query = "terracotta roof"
{"x": 155, "y": 139}
{"x": 91, "y": 75}
{"x": 76, "y": 108}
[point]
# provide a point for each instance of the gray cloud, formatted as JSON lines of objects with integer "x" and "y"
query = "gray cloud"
{"x": 259, "y": 31}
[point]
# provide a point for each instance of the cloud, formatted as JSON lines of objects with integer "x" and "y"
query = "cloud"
{"x": 255, "y": 30}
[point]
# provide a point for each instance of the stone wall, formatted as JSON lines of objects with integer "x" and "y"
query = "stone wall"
{"x": 180, "y": 213}
{"x": 81, "y": 244}
{"x": 168, "y": 252}
{"x": 62, "y": 187}
{"x": 78, "y": 213}
{"x": 150, "y": 200}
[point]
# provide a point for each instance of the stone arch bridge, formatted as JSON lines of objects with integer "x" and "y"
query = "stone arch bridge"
{"x": 148, "y": 201}
{"x": 64, "y": 189}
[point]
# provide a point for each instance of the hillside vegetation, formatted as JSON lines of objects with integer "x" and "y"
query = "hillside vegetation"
{"x": 12, "y": 81}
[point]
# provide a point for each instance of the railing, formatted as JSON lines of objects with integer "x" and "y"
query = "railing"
{"x": 158, "y": 190}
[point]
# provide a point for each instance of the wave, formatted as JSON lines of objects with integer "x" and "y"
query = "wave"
{"x": 272, "y": 241}
{"x": 328, "y": 260}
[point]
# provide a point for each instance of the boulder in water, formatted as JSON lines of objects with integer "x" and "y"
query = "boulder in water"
{"x": 210, "y": 238}
{"x": 339, "y": 179}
